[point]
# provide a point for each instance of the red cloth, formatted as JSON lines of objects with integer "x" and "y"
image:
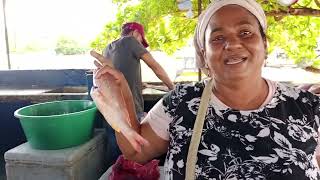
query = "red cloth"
{"x": 125, "y": 169}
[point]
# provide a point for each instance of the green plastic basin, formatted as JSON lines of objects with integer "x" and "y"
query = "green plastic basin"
{"x": 57, "y": 124}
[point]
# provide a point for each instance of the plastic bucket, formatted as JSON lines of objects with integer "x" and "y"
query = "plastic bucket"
{"x": 57, "y": 124}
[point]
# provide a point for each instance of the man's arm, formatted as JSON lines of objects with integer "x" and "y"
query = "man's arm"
{"x": 157, "y": 69}
{"x": 315, "y": 89}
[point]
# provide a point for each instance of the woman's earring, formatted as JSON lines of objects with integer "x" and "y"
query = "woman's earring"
{"x": 265, "y": 60}
{"x": 207, "y": 71}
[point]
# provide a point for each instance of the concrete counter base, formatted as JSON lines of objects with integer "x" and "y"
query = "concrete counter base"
{"x": 83, "y": 162}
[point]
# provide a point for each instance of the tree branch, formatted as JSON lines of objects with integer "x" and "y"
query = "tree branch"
{"x": 296, "y": 12}
{"x": 317, "y": 3}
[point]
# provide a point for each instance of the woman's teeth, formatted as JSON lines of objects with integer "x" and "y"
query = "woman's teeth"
{"x": 234, "y": 61}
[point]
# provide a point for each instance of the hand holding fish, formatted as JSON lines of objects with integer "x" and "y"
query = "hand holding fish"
{"x": 109, "y": 98}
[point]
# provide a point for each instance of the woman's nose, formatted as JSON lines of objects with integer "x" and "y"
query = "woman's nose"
{"x": 232, "y": 43}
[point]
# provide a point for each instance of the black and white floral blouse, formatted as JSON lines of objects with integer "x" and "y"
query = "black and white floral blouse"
{"x": 276, "y": 141}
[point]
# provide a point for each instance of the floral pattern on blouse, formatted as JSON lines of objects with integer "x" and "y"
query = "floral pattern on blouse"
{"x": 277, "y": 141}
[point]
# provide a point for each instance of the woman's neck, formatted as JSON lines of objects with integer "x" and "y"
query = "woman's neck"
{"x": 242, "y": 95}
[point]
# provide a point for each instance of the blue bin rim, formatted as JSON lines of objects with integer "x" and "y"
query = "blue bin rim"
{"x": 17, "y": 115}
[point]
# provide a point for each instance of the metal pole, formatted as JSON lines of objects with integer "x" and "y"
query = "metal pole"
{"x": 199, "y": 12}
{"x": 6, "y": 33}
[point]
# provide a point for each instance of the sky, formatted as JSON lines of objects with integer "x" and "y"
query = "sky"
{"x": 32, "y": 20}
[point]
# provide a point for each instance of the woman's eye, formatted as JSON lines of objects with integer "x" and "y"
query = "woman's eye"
{"x": 245, "y": 33}
{"x": 218, "y": 38}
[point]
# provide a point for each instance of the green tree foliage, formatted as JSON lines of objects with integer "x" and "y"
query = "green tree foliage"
{"x": 68, "y": 46}
{"x": 293, "y": 29}
{"x": 297, "y": 35}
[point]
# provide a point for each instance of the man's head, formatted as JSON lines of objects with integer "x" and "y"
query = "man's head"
{"x": 136, "y": 30}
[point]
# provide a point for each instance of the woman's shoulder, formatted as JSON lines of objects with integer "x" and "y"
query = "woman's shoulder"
{"x": 191, "y": 88}
{"x": 291, "y": 89}
{"x": 183, "y": 92}
{"x": 288, "y": 91}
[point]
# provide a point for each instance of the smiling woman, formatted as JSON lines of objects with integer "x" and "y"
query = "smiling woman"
{"x": 253, "y": 128}
{"x": 235, "y": 46}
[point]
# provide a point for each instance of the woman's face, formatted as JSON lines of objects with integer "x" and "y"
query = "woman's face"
{"x": 234, "y": 47}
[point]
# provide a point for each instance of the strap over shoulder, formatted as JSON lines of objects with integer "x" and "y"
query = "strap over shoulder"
{"x": 197, "y": 131}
